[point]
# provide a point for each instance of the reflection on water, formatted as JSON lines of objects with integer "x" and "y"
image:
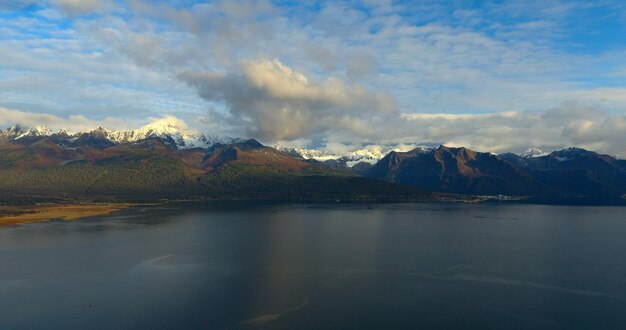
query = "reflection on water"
{"x": 247, "y": 265}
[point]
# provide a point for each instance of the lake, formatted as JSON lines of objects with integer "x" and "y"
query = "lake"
{"x": 275, "y": 266}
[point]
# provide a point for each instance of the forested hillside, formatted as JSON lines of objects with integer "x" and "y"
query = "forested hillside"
{"x": 150, "y": 169}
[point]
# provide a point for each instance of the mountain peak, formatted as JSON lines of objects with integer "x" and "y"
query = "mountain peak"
{"x": 533, "y": 152}
{"x": 367, "y": 153}
{"x": 249, "y": 144}
{"x": 422, "y": 149}
{"x": 18, "y": 131}
{"x": 99, "y": 132}
{"x": 166, "y": 125}
{"x": 569, "y": 153}
{"x": 171, "y": 130}
{"x": 41, "y": 130}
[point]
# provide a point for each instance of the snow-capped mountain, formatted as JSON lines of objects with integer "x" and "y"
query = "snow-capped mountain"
{"x": 175, "y": 133}
{"x": 307, "y": 153}
{"x": 164, "y": 129}
{"x": 370, "y": 154}
{"x": 19, "y": 132}
{"x": 171, "y": 131}
{"x": 350, "y": 158}
{"x": 533, "y": 152}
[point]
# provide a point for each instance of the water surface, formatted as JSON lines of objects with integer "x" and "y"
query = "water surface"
{"x": 243, "y": 265}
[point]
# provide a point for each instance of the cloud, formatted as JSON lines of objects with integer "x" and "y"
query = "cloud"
{"x": 604, "y": 132}
{"x": 10, "y": 117}
{"x": 360, "y": 66}
{"x": 81, "y": 7}
{"x": 274, "y": 102}
{"x": 65, "y": 72}
{"x": 568, "y": 125}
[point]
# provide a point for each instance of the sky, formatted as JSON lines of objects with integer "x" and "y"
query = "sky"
{"x": 492, "y": 76}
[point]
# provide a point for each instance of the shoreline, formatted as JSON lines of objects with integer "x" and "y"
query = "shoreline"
{"x": 13, "y": 215}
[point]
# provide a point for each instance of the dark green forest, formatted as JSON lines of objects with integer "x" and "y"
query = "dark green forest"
{"x": 162, "y": 177}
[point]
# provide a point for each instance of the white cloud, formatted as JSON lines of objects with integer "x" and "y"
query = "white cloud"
{"x": 82, "y": 7}
{"x": 273, "y": 102}
{"x": 11, "y": 117}
{"x": 564, "y": 126}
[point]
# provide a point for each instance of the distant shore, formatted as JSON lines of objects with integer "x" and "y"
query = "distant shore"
{"x": 12, "y": 215}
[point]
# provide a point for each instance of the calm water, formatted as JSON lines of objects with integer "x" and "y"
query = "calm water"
{"x": 319, "y": 266}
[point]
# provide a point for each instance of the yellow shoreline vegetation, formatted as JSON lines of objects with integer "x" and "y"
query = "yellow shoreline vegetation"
{"x": 11, "y": 215}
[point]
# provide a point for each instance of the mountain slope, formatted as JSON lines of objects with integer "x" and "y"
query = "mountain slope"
{"x": 153, "y": 168}
{"x": 252, "y": 152}
{"x": 164, "y": 159}
{"x": 575, "y": 172}
{"x": 456, "y": 170}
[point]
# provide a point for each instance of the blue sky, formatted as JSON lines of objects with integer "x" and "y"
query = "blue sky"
{"x": 490, "y": 75}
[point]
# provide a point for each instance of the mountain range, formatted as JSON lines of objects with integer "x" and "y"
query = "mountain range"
{"x": 161, "y": 160}
{"x": 456, "y": 170}
{"x": 167, "y": 131}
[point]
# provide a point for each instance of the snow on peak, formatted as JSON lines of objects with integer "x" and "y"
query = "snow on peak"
{"x": 419, "y": 149}
{"x": 166, "y": 125}
{"x": 160, "y": 128}
{"x": 320, "y": 155}
{"x": 17, "y": 132}
{"x": 369, "y": 154}
{"x": 41, "y": 130}
{"x": 533, "y": 152}
{"x": 168, "y": 128}
{"x": 165, "y": 128}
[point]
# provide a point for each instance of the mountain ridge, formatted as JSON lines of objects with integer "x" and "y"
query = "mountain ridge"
{"x": 169, "y": 130}
{"x": 570, "y": 172}
{"x": 47, "y": 168}
{"x": 456, "y": 170}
